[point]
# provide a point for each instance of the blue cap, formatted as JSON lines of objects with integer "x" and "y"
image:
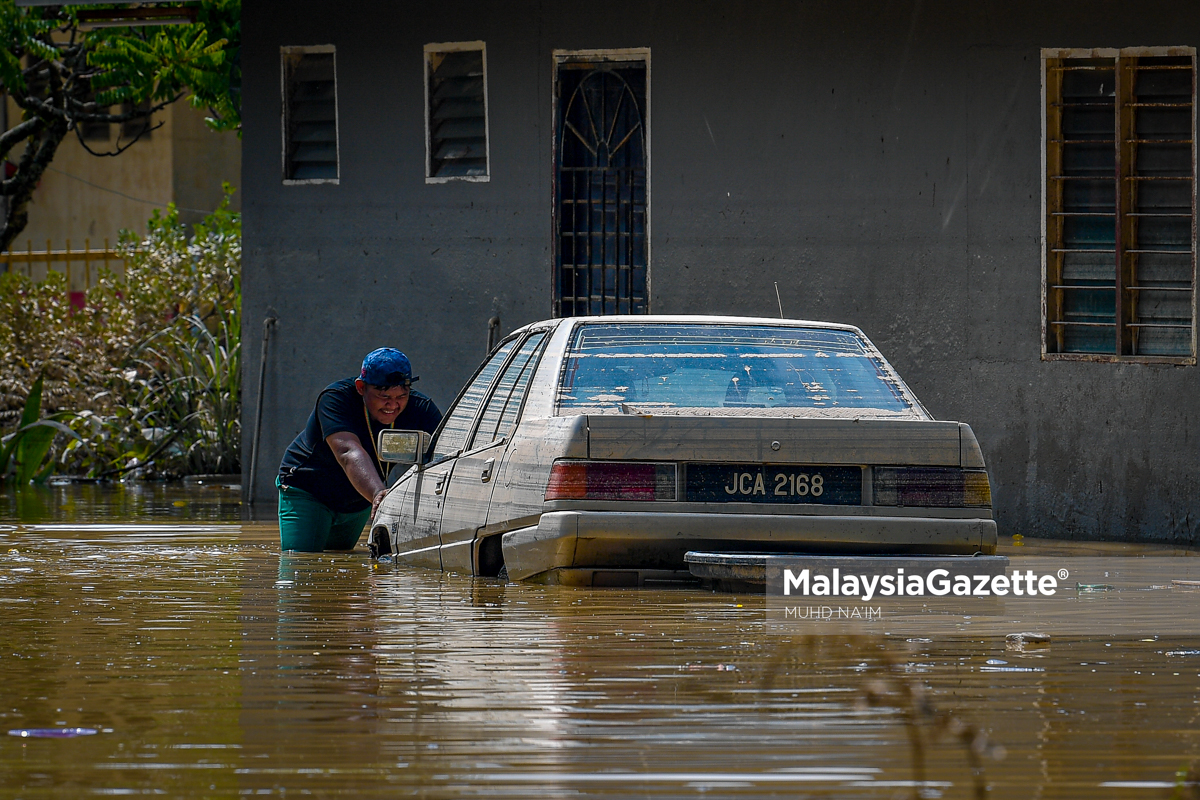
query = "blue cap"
{"x": 386, "y": 367}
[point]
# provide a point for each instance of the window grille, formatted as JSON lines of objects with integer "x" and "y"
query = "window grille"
{"x": 1120, "y": 219}
{"x": 310, "y": 115}
{"x": 456, "y": 125}
{"x": 601, "y": 187}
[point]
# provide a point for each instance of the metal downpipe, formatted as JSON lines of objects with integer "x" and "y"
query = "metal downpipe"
{"x": 268, "y": 325}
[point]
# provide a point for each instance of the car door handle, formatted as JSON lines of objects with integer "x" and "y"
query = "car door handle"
{"x": 485, "y": 474}
{"x": 441, "y": 483}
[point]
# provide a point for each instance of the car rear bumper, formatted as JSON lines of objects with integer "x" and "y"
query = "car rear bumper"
{"x": 564, "y": 540}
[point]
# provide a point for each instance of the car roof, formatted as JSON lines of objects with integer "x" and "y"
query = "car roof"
{"x": 707, "y": 319}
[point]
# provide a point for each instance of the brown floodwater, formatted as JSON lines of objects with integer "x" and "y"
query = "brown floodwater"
{"x": 211, "y": 665}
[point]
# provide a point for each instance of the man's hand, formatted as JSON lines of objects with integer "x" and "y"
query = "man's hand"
{"x": 359, "y": 466}
{"x": 382, "y": 493}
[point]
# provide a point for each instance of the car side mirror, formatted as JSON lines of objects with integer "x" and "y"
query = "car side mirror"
{"x": 403, "y": 447}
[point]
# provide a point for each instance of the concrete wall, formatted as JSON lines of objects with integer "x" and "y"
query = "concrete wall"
{"x": 880, "y": 161}
{"x": 202, "y": 160}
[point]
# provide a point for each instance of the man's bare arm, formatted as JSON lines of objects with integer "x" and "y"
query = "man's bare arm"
{"x": 360, "y": 469}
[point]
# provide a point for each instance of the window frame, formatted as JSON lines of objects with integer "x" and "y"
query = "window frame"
{"x": 1119, "y": 123}
{"x": 456, "y": 47}
{"x": 135, "y": 129}
{"x": 530, "y": 367}
{"x": 515, "y": 339}
{"x": 90, "y": 131}
{"x": 284, "y": 52}
{"x": 886, "y": 372}
{"x": 559, "y": 58}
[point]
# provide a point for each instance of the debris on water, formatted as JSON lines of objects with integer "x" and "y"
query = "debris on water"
{"x": 1094, "y": 587}
{"x": 1186, "y": 584}
{"x": 1012, "y": 669}
{"x": 717, "y": 667}
{"x": 52, "y": 733}
{"x": 996, "y": 662}
{"x": 179, "y": 503}
{"x": 1183, "y": 652}
{"x": 1020, "y": 641}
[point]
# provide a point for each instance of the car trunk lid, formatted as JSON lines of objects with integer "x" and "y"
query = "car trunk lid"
{"x": 745, "y": 439}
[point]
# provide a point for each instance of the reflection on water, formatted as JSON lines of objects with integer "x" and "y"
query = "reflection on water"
{"x": 136, "y": 500}
{"x": 214, "y": 666}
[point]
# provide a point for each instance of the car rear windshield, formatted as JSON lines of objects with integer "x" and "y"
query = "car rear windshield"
{"x": 657, "y": 367}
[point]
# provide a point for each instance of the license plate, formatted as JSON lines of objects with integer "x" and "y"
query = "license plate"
{"x": 758, "y": 483}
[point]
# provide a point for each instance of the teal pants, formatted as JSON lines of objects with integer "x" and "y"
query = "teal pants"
{"x": 309, "y": 526}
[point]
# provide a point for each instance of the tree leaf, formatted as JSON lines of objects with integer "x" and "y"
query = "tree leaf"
{"x": 31, "y": 451}
{"x": 33, "y": 404}
{"x": 32, "y": 443}
{"x": 29, "y": 415}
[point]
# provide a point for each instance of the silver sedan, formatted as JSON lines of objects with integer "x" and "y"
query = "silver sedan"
{"x": 600, "y": 450}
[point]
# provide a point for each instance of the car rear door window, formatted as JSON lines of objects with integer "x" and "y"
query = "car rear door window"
{"x": 500, "y": 415}
{"x": 457, "y": 426}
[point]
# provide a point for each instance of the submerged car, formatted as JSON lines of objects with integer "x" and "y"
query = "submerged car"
{"x": 601, "y": 450}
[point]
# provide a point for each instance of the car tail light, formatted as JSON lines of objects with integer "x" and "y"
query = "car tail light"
{"x": 611, "y": 480}
{"x": 931, "y": 486}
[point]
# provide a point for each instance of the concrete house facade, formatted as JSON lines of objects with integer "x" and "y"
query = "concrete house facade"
{"x": 1001, "y": 195}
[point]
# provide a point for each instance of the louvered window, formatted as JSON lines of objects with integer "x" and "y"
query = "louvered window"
{"x": 1120, "y": 242}
{"x": 456, "y": 132}
{"x": 94, "y": 130}
{"x": 310, "y": 115}
{"x": 138, "y": 127}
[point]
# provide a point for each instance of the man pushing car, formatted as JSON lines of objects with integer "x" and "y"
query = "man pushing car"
{"x": 331, "y": 478}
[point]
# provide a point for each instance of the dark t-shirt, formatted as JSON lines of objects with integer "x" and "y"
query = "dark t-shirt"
{"x": 309, "y": 463}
